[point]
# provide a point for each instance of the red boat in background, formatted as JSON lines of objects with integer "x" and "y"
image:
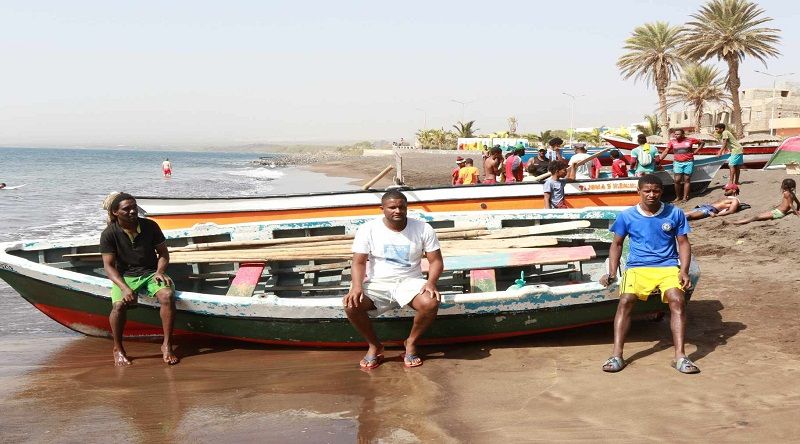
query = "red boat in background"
{"x": 755, "y": 156}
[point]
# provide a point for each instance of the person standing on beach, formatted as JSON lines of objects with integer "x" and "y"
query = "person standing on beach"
{"x": 682, "y": 162}
{"x": 553, "y": 189}
{"x": 643, "y": 157}
{"x": 491, "y": 165}
{"x": 619, "y": 168}
{"x": 388, "y": 251}
{"x": 512, "y": 165}
{"x": 468, "y": 174}
{"x": 730, "y": 145}
{"x": 554, "y": 149}
{"x": 166, "y": 168}
{"x": 538, "y": 165}
{"x": 135, "y": 257}
{"x": 454, "y": 173}
{"x": 582, "y": 170}
{"x": 658, "y": 259}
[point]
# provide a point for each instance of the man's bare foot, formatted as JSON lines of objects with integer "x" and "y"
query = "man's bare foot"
{"x": 121, "y": 359}
{"x": 373, "y": 358}
{"x": 169, "y": 357}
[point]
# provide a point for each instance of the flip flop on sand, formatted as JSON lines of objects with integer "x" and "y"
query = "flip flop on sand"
{"x": 686, "y": 366}
{"x": 411, "y": 360}
{"x": 371, "y": 362}
{"x": 613, "y": 364}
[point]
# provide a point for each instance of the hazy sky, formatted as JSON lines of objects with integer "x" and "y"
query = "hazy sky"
{"x": 235, "y": 72}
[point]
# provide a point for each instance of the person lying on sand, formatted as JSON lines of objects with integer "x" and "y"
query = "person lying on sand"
{"x": 728, "y": 204}
{"x": 789, "y": 205}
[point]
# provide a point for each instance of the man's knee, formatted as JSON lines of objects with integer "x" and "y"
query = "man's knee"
{"x": 627, "y": 301}
{"x": 118, "y": 307}
{"x": 166, "y": 296}
{"x": 426, "y": 304}
{"x": 675, "y": 299}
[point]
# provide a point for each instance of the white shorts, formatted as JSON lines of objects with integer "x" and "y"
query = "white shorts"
{"x": 388, "y": 294}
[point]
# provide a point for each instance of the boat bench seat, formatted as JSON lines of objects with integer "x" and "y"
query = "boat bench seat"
{"x": 246, "y": 279}
{"x": 482, "y": 266}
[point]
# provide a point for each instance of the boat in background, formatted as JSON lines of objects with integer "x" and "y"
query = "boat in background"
{"x": 174, "y": 212}
{"x": 755, "y": 156}
{"x": 262, "y": 283}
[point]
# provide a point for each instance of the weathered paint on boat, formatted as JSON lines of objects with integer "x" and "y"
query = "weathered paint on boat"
{"x": 81, "y": 302}
{"x": 172, "y": 213}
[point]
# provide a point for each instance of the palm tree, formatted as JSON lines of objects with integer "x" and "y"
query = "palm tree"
{"x": 436, "y": 139}
{"x": 730, "y": 30}
{"x": 698, "y": 85}
{"x": 593, "y": 138}
{"x": 465, "y": 129}
{"x": 653, "y": 56}
{"x": 545, "y": 136}
{"x": 512, "y": 126}
{"x": 650, "y": 127}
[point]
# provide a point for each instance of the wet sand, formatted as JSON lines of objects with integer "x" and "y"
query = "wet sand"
{"x": 742, "y": 333}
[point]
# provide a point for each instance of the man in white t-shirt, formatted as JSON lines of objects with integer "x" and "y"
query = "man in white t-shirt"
{"x": 388, "y": 252}
{"x": 581, "y": 171}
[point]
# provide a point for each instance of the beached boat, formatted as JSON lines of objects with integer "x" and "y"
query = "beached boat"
{"x": 755, "y": 156}
{"x": 262, "y": 282}
{"x": 172, "y": 212}
{"x": 704, "y": 172}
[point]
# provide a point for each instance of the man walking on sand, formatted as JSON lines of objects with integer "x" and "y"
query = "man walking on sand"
{"x": 388, "y": 251}
{"x": 730, "y": 145}
{"x": 135, "y": 257}
{"x": 654, "y": 263}
{"x": 682, "y": 162}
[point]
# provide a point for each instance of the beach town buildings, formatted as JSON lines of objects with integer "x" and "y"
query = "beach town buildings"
{"x": 764, "y": 110}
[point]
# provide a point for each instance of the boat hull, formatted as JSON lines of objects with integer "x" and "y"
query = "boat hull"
{"x": 88, "y": 314}
{"x": 71, "y": 290}
{"x": 172, "y": 213}
{"x": 755, "y": 156}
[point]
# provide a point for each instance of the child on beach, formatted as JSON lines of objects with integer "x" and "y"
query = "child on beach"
{"x": 728, "y": 204}
{"x": 468, "y": 174}
{"x": 789, "y": 205}
{"x": 554, "y": 196}
{"x": 619, "y": 168}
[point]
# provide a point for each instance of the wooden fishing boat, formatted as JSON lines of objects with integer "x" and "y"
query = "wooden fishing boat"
{"x": 755, "y": 156}
{"x": 281, "y": 282}
{"x": 172, "y": 212}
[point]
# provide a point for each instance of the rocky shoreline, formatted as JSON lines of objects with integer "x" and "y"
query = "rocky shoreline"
{"x": 278, "y": 160}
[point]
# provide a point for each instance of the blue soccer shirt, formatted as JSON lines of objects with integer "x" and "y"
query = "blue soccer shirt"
{"x": 652, "y": 238}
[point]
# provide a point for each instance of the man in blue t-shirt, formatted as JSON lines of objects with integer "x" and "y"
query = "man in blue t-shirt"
{"x": 659, "y": 259}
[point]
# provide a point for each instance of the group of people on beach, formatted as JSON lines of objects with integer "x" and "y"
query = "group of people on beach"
{"x": 387, "y": 254}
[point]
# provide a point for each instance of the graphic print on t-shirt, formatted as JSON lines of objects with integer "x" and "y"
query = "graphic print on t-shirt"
{"x": 398, "y": 254}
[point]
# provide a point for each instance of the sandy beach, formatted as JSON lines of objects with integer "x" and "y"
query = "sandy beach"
{"x": 546, "y": 388}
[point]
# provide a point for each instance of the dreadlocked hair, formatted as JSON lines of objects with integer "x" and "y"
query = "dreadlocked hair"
{"x": 111, "y": 204}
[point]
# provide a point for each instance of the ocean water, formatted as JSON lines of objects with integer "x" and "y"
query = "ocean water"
{"x": 64, "y": 189}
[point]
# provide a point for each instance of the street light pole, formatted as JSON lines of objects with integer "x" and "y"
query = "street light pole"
{"x": 572, "y": 114}
{"x": 425, "y": 113}
{"x": 774, "y": 80}
{"x": 463, "y": 106}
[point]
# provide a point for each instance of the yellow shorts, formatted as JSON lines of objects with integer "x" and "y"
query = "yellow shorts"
{"x": 642, "y": 281}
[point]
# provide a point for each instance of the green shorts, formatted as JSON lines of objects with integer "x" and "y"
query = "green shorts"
{"x": 777, "y": 214}
{"x": 138, "y": 283}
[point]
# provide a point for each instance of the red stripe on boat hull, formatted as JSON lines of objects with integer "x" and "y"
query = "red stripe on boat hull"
{"x": 84, "y": 323}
